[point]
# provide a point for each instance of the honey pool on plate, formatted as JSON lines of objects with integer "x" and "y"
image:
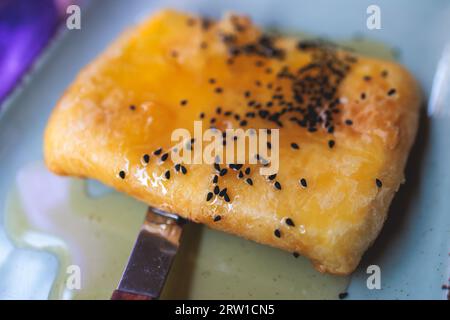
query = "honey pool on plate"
{"x": 87, "y": 225}
{"x": 95, "y": 229}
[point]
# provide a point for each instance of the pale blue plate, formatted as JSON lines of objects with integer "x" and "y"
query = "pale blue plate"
{"x": 413, "y": 249}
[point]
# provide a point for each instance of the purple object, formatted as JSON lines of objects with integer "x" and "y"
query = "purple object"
{"x": 25, "y": 28}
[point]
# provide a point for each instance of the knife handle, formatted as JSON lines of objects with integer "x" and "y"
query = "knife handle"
{"x": 121, "y": 295}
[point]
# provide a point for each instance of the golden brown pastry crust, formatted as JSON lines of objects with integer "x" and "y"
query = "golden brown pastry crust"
{"x": 93, "y": 133}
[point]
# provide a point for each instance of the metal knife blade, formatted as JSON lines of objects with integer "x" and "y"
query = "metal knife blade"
{"x": 151, "y": 258}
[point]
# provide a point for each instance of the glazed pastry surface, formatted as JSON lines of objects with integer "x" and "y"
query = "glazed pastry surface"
{"x": 346, "y": 125}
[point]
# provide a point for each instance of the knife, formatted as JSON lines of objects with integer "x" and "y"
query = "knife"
{"x": 151, "y": 257}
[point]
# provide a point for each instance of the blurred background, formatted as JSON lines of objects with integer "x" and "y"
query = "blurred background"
{"x": 26, "y": 26}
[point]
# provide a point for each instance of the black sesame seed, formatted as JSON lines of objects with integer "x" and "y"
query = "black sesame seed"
{"x": 363, "y": 96}
{"x": 240, "y": 175}
{"x": 206, "y": 23}
{"x": 132, "y": 107}
{"x": 222, "y": 192}
{"x": 167, "y": 174}
{"x": 146, "y": 158}
{"x": 218, "y": 90}
{"x": 177, "y": 167}
{"x": 343, "y": 295}
{"x": 164, "y": 157}
{"x": 367, "y": 78}
{"x": 212, "y": 80}
{"x": 216, "y": 190}
{"x": 269, "y": 145}
{"x": 247, "y": 171}
{"x": 234, "y": 51}
{"x": 215, "y": 179}
{"x": 209, "y": 196}
{"x": 226, "y": 197}
{"x": 294, "y": 146}
{"x": 378, "y": 183}
{"x": 247, "y": 94}
{"x": 183, "y": 170}
{"x": 295, "y": 254}
{"x": 217, "y": 218}
{"x": 273, "y": 176}
{"x": 218, "y": 110}
{"x": 263, "y": 113}
{"x": 122, "y": 174}
{"x": 259, "y": 63}
{"x": 290, "y": 222}
{"x": 277, "y": 233}
{"x": 157, "y": 152}
{"x": 249, "y": 181}
{"x": 384, "y": 73}
{"x": 277, "y": 185}
{"x": 391, "y": 92}
{"x": 331, "y": 143}
{"x": 235, "y": 166}
{"x": 228, "y": 38}
{"x": 190, "y": 22}
{"x": 183, "y": 102}
{"x": 217, "y": 167}
{"x": 303, "y": 182}
{"x": 243, "y": 123}
{"x": 202, "y": 115}
{"x": 223, "y": 172}
{"x": 348, "y": 122}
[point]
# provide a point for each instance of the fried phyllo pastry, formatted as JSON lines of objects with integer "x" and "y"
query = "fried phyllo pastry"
{"x": 346, "y": 124}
